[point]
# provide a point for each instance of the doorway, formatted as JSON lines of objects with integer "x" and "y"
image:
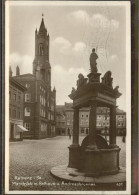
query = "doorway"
{"x": 87, "y": 131}
{"x": 12, "y": 132}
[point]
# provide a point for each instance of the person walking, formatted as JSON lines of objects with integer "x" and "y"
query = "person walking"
{"x": 69, "y": 133}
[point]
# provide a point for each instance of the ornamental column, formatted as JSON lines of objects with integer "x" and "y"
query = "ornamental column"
{"x": 75, "y": 141}
{"x": 113, "y": 127}
{"x": 92, "y": 126}
{"x": 74, "y": 149}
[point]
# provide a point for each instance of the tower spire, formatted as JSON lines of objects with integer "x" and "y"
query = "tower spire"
{"x": 41, "y": 60}
{"x": 42, "y": 26}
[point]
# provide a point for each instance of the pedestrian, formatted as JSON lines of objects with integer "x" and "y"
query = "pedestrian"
{"x": 69, "y": 135}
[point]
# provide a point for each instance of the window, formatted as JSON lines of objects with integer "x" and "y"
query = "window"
{"x": 42, "y": 100}
{"x": 52, "y": 108}
{"x": 49, "y": 116}
{"x": 53, "y": 129}
{"x": 27, "y": 111}
{"x": 41, "y": 49}
{"x": 43, "y": 127}
{"x": 19, "y": 98}
{"x": 27, "y": 85}
{"x": 14, "y": 113}
{"x": 27, "y": 97}
{"x": 19, "y": 114}
{"x": 27, "y": 126}
{"x": 82, "y": 130}
{"x": 82, "y": 116}
{"x": 87, "y": 115}
{"x": 14, "y": 97}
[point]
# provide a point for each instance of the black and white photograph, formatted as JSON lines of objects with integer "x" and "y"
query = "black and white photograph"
{"x": 67, "y": 97}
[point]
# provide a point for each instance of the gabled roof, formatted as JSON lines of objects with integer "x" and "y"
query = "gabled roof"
{"x": 119, "y": 111}
{"x": 24, "y": 75}
{"x": 17, "y": 84}
{"x": 60, "y": 108}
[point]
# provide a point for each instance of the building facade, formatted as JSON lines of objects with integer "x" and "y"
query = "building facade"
{"x": 60, "y": 120}
{"x": 16, "y": 110}
{"x": 40, "y": 100}
{"x": 103, "y": 120}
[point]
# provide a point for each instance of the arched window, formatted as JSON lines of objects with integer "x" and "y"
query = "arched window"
{"x": 27, "y": 97}
{"x": 27, "y": 111}
{"x": 41, "y": 49}
{"x": 42, "y": 101}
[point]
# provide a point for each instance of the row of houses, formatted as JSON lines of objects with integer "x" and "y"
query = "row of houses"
{"x": 64, "y": 120}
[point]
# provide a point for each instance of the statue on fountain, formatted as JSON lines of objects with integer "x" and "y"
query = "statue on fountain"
{"x": 81, "y": 80}
{"x": 93, "y": 64}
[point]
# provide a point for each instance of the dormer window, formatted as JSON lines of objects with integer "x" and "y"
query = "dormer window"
{"x": 41, "y": 49}
{"x": 27, "y": 85}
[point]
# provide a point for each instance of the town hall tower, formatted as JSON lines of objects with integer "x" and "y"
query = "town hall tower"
{"x": 41, "y": 65}
{"x": 40, "y": 100}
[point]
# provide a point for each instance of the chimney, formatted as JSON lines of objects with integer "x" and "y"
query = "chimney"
{"x": 10, "y": 72}
{"x": 17, "y": 71}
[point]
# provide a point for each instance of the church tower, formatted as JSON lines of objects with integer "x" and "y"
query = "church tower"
{"x": 41, "y": 65}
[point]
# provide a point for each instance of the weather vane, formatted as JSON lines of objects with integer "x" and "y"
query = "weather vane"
{"x": 42, "y": 14}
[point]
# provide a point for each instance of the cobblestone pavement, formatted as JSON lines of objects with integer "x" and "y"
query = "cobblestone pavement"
{"x": 32, "y": 160}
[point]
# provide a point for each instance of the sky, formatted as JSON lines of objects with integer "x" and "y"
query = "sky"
{"x": 74, "y": 31}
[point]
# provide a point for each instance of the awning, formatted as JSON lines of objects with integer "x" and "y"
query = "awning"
{"x": 22, "y": 128}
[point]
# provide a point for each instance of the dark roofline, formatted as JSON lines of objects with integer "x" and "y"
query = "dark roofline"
{"x": 12, "y": 80}
{"x": 60, "y": 105}
{"x": 22, "y": 75}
